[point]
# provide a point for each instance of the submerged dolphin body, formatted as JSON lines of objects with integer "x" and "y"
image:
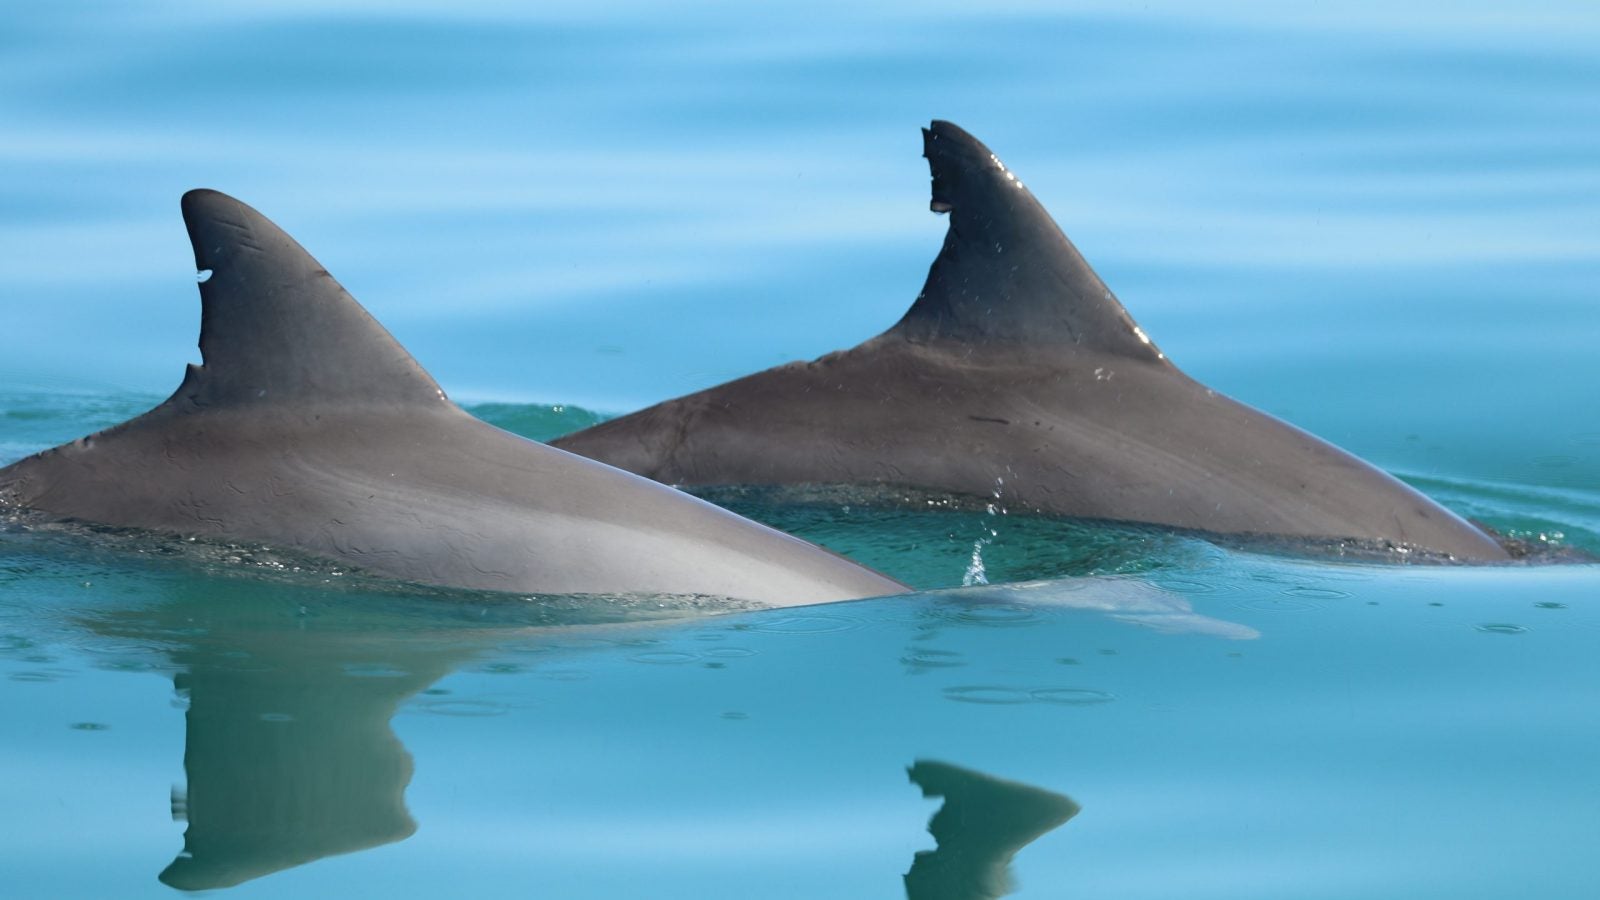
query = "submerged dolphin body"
{"x": 310, "y": 427}
{"x": 1017, "y": 370}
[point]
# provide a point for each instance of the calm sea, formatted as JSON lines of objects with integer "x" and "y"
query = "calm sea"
{"x": 1377, "y": 220}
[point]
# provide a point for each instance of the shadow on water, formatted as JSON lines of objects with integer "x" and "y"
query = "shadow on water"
{"x": 983, "y": 823}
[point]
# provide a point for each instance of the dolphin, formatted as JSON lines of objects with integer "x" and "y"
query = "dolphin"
{"x": 1017, "y": 375}
{"x": 309, "y": 427}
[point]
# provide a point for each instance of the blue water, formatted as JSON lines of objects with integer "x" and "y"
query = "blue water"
{"x": 1380, "y": 221}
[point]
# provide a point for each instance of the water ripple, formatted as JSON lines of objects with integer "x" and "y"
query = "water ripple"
{"x": 809, "y": 624}
{"x": 987, "y": 694}
{"x": 1305, "y": 592}
{"x": 995, "y": 615}
{"x": 728, "y": 653}
{"x": 1269, "y": 604}
{"x": 664, "y": 658}
{"x": 462, "y": 708}
{"x": 1000, "y": 695}
{"x": 1073, "y": 696}
{"x": 933, "y": 659}
{"x": 564, "y": 675}
{"x": 1183, "y": 586}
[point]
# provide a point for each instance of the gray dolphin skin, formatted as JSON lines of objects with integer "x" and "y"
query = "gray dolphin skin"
{"x": 309, "y": 427}
{"x": 1017, "y": 371}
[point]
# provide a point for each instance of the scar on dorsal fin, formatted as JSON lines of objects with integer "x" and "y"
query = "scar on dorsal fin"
{"x": 1006, "y": 272}
{"x": 275, "y": 327}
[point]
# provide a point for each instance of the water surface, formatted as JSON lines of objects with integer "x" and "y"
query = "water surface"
{"x": 1379, "y": 221}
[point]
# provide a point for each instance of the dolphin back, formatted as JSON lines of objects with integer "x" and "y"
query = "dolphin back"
{"x": 1018, "y": 376}
{"x": 308, "y": 426}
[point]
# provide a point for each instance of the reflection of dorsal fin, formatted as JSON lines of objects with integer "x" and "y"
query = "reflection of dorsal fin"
{"x": 1006, "y": 272}
{"x": 983, "y": 823}
{"x": 275, "y": 327}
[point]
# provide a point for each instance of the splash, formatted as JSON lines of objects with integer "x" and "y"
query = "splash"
{"x": 976, "y": 572}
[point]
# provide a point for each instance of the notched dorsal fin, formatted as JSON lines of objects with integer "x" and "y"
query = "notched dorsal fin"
{"x": 1006, "y": 271}
{"x": 275, "y": 327}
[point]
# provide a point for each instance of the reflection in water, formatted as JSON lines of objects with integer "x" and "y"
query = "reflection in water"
{"x": 289, "y": 754}
{"x": 290, "y": 758}
{"x": 983, "y": 823}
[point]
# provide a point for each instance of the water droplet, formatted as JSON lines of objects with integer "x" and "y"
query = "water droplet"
{"x": 276, "y": 717}
{"x": 1550, "y": 605}
{"x": 1501, "y": 628}
{"x": 89, "y": 726}
{"x": 202, "y": 276}
{"x": 735, "y": 716}
{"x": 1068, "y": 661}
{"x": 976, "y": 572}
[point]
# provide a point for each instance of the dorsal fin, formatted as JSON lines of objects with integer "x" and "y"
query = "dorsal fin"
{"x": 1006, "y": 272}
{"x": 275, "y": 327}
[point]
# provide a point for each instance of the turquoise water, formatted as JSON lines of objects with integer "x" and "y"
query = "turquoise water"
{"x": 1380, "y": 221}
